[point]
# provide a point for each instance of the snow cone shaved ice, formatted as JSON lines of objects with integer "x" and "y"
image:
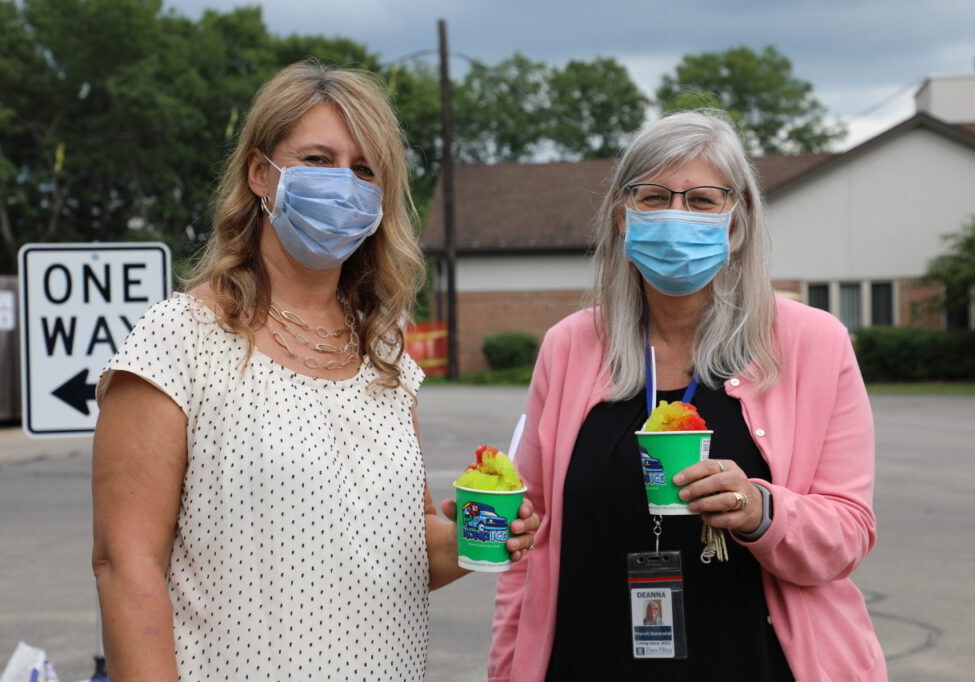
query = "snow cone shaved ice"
{"x": 675, "y": 416}
{"x": 492, "y": 471}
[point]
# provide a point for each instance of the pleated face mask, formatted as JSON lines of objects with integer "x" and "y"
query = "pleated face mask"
{"x": 677, "y": 252}
{"x": 322, "y": 215}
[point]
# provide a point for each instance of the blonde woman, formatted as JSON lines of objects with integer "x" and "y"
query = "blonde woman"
{"x": 260, "y": 504}
{"x": 682, "y": 253}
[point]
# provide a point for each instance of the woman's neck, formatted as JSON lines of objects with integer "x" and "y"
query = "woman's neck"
{"x": 295, "y": 286}
{"x": 673, "y": 325}
{"x": 674, "y": 319}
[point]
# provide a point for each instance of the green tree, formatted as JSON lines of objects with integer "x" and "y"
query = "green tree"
{"x": 414, "y": 88}
{"x": 954, "y": 270}
{"x": 518, "y": 108}
{"x": 67, "y": 130}
{"x": 501, "y": 111}
{"x": 337, "y": 51}
{"x": 23, "y": 85}
{"x": 594, "y": 107}
{"x": 775, "y": 111}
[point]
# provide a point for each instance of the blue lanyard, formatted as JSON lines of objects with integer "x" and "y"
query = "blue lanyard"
{"x": 688, "y": 392}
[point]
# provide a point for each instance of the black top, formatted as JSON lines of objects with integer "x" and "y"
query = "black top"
{"x": 605, "y": 517}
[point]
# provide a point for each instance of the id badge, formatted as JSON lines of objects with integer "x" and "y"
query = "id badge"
{"x": 656, "y": 584}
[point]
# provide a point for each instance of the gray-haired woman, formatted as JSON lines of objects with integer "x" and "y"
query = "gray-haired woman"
{"x": 682, "y": 267}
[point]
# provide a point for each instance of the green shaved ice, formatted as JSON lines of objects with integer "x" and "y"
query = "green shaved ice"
{"x": 476, "y": 480}
{"x": 496, "y": 472}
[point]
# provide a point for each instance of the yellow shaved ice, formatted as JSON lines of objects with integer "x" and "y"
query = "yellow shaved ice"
{"x": 495, "y": 472}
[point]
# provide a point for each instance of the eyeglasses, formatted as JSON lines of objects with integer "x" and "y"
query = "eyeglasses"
{"x": 647, "y": 196}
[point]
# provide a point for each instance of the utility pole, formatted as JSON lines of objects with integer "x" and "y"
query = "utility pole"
{"x": 447, "y": 179}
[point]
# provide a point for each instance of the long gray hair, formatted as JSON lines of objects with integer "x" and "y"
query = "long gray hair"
{"x": 735, "y": 332}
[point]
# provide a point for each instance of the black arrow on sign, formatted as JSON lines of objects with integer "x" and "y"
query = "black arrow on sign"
{"x": 76, "y": 391}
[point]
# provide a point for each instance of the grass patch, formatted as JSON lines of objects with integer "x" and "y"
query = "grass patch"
{"x": 510, "y": 376}
{"x": 924, "y": 388}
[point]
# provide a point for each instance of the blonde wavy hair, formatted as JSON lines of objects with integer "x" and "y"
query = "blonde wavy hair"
{"x": 381, "y": 279}
{"x": 734, "y": 335}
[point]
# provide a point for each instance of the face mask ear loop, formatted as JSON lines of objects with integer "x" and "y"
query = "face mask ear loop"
{"x": 264, "y": 199}
{"x": 268, "y": 159}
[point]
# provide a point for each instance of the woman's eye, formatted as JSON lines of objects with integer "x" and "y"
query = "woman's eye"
{"x": 655, "y": 199}
{"x": 316, "y": 160}
{"x": 363, "y": 171}
{"x": 702, "y": 202}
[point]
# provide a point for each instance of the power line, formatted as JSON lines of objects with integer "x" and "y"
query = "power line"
{"x": 887, "y": 100}
{"x": 424, "y": 53}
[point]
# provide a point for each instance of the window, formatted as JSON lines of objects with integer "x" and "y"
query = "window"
{"x": 881, "y": 303}
{"x": 850, "y": 305}
{"x": 957, "y": 315}
{"x": 819, "y": 296}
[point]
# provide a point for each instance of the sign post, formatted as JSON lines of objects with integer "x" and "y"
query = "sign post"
{"x": 77, "y": 304}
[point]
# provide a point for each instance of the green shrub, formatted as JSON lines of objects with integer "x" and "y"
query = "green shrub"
{"x": 908, "y": 354}
{"x": 511, "y": 349}
{"x": 512, "y": 376}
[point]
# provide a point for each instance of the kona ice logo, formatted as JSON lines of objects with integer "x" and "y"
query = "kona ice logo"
{"x": 653, "y": 470}
{"x": 482, "y": 523}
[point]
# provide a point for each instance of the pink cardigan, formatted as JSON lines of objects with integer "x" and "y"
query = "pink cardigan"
{"x": 815, "y": 429}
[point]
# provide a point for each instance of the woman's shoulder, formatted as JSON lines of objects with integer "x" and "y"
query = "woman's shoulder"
{"x": 574, "y": 343}
{"x": 798, "y": 322}
{"x": 581, "y": 325}
{"x": 796, "y": 312}
{"x": 164, "y": 347}
{"x": 180, "y": 319}
{"x": 180, "y": 308}
{"x": 201, "y": 299}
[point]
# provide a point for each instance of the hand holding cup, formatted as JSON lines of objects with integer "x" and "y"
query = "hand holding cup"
{"x": 712, "y": 489}
{"x": 490, "y": 509}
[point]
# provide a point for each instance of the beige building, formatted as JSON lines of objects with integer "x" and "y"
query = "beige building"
{"x": 851, "y": 232}
{"x": 855, "y": 231}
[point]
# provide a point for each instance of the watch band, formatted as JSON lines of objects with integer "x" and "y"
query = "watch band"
{"x": 766, "y": 515}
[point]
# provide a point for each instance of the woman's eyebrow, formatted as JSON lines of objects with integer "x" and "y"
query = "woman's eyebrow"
{"x": 308, "y": 148}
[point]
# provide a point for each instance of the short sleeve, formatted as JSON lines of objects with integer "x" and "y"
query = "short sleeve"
{"x": 160, "y": 349}
{"x": 410, "y": 373}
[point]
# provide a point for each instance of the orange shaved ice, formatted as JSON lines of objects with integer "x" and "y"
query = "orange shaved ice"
{"x": 675, "y": 416}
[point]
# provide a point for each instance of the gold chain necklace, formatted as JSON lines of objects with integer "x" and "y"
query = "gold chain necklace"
{"x": 350, "y": 350}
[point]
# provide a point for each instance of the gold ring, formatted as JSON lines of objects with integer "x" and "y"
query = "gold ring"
{"x": 741, "y": 501}
{"x": 530, "y": 547}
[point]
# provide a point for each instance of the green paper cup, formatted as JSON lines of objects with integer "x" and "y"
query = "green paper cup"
{"x": 483, "y": 525}
{"x": 663, "y": 454}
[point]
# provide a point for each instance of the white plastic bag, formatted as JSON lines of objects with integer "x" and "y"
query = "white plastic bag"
{"x": 29, "y": 664}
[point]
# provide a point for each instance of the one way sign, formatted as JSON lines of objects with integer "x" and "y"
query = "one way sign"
{"x": 77, "y": 304}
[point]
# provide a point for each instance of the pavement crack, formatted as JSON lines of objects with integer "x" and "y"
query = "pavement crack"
{"x": 932, "y": 632}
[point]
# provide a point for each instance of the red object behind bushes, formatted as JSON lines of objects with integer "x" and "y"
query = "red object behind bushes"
{"x": 426, "y": 342}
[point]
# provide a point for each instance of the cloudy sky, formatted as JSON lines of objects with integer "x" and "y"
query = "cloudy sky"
{"x": 865, "y": 58}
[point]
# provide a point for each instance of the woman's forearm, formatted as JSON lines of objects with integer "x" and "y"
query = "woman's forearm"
{"x": 442, "y": 551}
{"x": 137, "y": 623}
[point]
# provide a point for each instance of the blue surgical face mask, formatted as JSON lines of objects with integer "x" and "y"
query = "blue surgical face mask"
{"x": 677, "y": 252}
{"x": 322, "y": 215}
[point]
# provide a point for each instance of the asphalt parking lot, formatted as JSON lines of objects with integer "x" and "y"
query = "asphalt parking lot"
{"x": 917, "y": 580}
